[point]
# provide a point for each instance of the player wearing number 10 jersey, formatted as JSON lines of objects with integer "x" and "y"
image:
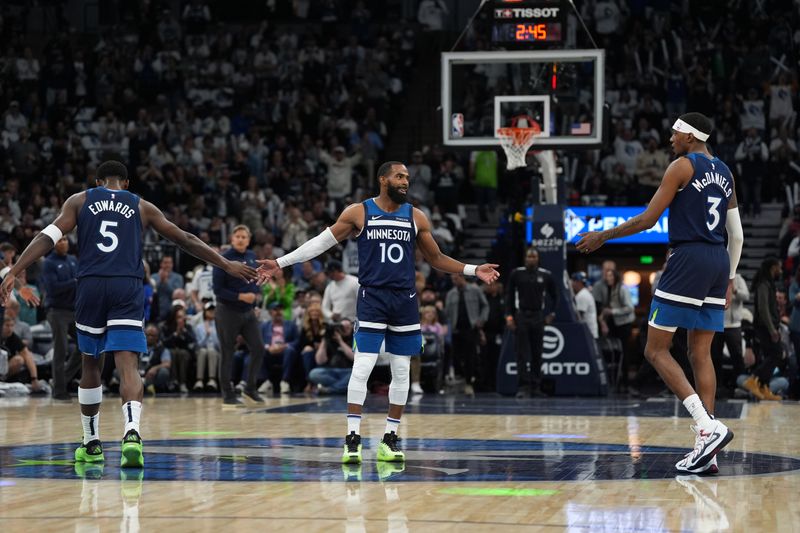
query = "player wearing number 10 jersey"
{"x": 696, "y": 284}
{"x": 109, "y": 307}
{"x": 388, "y": 313}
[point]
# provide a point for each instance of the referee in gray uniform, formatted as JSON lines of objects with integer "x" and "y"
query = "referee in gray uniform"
{"x": 236, "y": 300}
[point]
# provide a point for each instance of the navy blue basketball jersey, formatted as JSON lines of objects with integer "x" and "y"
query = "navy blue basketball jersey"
{"x": 698, "y": 211}
{"x": 386, "y": 247}
{"x": 110, "y": 235}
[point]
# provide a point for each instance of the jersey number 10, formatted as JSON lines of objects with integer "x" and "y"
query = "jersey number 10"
{"x": 394, "y": 252}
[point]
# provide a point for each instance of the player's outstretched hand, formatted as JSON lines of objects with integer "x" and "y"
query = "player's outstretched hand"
{"x": 267, "y": 269}
{"x": 241, "y": 271}
{"x": 487, "y": 273}
{"x": 5, "y": 289}
{"x": 589, "y": 242}
{"x": 30, "y": 298}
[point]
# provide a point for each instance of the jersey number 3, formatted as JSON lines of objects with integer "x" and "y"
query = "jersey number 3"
{"x": 104, "y": 231}
{"x": 713, "y": 211}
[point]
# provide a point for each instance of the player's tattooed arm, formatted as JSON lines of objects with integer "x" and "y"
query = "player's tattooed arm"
{"x": 350, "y": 221}
{"x": 677, "y": 176}
{"x": 153, "y": 216}
{"x": 433, "y": 255}
{"x": 40, "y": 245}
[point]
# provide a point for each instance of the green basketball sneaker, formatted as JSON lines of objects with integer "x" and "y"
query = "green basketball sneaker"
{"x": 91, "y": 452}
{"x": 388, "y": 450}
{"x": 387, "y": 470}
{"x": 352, "y": 448}
{"x": 89, "y": 470}
{"x": 132, "y": 456}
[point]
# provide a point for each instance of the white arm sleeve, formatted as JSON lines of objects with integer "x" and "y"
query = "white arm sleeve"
{"x": 310, "y": 249}
{"x": 733, "y": 223}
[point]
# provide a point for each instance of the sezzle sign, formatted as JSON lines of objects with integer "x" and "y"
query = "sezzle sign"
{"x": 527, "y": 13}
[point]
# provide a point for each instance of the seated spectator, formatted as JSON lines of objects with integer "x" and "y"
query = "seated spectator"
{"x": 156, "y": 363}
{"x": 21, "y": 365}
{"x": 341, "y": 294}
{"x": 312, "y": 332}
{"x": 334, "y": 360}
{"x": 21, "y": 329}
{"x": 180, "y": 339}
{"x": 280, "y": 288}
{"x": 166, "y": 281}
{"x": 208, "y": 350}
{"x": 280, "y": 340}
{"x": 27, "y": 313}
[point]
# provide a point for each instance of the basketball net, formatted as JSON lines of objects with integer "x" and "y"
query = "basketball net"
{"x": 516, "y": 142}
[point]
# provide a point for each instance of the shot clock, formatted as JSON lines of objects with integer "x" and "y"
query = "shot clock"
{"x": 527, "y": 22}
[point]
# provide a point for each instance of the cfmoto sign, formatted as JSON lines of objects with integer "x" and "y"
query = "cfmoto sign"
{"x": 552, "y": 346}
{"x": 553, "y": 343}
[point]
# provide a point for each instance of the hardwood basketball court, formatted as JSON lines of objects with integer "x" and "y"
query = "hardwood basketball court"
{"x": 476, "y": 464}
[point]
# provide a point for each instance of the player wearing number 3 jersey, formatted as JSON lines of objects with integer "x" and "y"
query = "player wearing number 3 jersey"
{"x": 109, "y": 306}
{"x": 696, "y": 285}
{"x": 387, "y": 228}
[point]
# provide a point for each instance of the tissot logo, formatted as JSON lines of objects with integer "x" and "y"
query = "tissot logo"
{"x": 527, "y": 12}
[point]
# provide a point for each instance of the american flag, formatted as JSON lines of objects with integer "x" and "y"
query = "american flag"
{"x": 581, "y": 128}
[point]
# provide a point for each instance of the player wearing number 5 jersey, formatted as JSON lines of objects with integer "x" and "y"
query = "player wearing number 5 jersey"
{"x": 696, "y": 285}
{"x": 109, "y": 299}
{"x": 387, "y": 228}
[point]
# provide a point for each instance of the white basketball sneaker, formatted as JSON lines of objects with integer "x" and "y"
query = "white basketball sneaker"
{"x": 706, "y": 445}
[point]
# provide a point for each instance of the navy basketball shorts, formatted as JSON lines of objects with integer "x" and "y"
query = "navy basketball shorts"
{"x": 691, "y": 291}
{"x": 388, "y": 318}
{"x": 109, "y": 315}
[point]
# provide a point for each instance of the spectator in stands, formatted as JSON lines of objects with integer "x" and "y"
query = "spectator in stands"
{"x": 60, "y": 278}
{"x": 650, "y": 166}
{"x": 442, "y": 234}
{"x": 27, "y": 313}
{"x": 312, "y": 332}
{"x": 340, "y": 172}
{"x": 334, "y": 360}
{"x": 156, "y": 363}
{"x": 234, "y": 316}
{"x": 752, "y": 155}
{"x": 483, "y": 174}
{"x": 434, "y": 334}
{"x": 731, "y": 337}
{"x": 280, "y": 341}
{"x": 21, "y": 329}
{"x": 584, "y": 303}
{"x": 278, "y": 289}
{"x": 21, "y": 364}
{"x": 467, "y": 310}
{"x": 166, "y": 281}
{"x": 766, "y": 327}
{"x": 420, "y": 177}
{"x": 616, "y": 317}
{"x": 179, "y": 337}
{"x": 341, "y": 294}
{"x": 208, "y": 349}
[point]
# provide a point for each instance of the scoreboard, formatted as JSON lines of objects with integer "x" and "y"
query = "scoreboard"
{"x": 527, "y": 22}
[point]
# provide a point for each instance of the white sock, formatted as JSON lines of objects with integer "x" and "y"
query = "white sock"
{"x": 354, "y": 424}
{"x": 392, "y": 424}
{"x": 131, "y": 413}
{"x": 91, "y": 427}
{"x": 698, "y": 411}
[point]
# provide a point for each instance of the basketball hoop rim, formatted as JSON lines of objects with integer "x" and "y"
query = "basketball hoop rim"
{"x": 518, "y": 136}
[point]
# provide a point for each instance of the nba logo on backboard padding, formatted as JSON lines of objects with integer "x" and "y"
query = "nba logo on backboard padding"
{"x": 457, "y": 125}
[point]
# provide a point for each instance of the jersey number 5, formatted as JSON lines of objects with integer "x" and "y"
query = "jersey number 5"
{"x": 713, "y": 211}
{"x": 104, "y": 225}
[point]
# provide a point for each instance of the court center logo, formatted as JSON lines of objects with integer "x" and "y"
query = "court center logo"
{"x": 304, "y": 459}
{"x": 552, "y": 343}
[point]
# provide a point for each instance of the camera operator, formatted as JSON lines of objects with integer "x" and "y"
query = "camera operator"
{"x": 334, "y": 359}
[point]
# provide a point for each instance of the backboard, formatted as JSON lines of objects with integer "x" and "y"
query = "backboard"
{"x": 563, "y": 90}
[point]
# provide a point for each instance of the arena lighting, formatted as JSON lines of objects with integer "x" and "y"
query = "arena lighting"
{"x": 645, "y": 259}
{"x": 631, "y": 278}
{"x": 652, "y": 278}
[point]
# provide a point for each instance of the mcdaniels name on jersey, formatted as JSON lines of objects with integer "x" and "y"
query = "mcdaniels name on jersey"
{"x": 713, "y": 178}
{"x": 389, "y": 234}
{"x": 110, "y": 205}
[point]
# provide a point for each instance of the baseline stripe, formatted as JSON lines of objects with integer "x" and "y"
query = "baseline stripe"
{"x": 679, "y": 298}
{"x": 371, "y": 325}
{"x": 672, "y": 329}
{"x": 124, "y": 322}
{"x": 89, "y": 329}
{"x": 402, "y": 329}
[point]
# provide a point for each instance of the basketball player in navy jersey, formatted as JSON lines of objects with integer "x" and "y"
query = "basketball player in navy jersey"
{"x": 387, "y": 229}
{"x": 109, "y": 303}
{"x": 696, "y": 285}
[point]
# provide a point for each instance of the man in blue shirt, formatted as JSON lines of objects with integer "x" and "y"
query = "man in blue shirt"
{"x": 166, "y": 281}
{"x": 236, "y": 300}
{"x": 60, "y": 277}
